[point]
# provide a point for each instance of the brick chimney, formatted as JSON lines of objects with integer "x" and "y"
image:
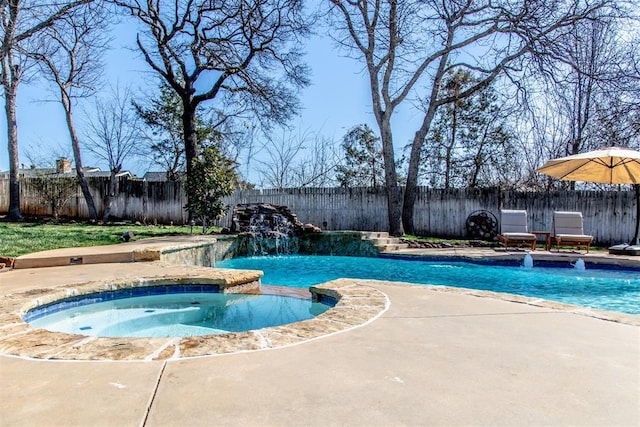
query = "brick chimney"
{"x": 63, "y": 165}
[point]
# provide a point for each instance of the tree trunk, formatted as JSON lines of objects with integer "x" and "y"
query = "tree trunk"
{"x": 636, "y": 237}
{"x": 111, "y": 194}
{"x": 54, "y": 209}
{"x": 82, "y": 179}
{"x": 394, "y": 197}
{"x": 478, "y": 158}
{"x": 10, "y": 80}
{"x": 190, "y": 138}
{"x": 411, "y": 188}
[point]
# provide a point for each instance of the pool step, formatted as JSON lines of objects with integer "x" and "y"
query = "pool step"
{"x": 384, "y": 242}
{"x": 369, "y": 235}
{"x": 393, "y": 247}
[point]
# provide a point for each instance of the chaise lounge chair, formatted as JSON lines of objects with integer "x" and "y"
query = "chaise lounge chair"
{"x": 513, "y": 229}
{"x": 568, "y": 230}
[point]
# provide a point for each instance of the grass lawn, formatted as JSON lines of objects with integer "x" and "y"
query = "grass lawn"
{"x": 26, "y": 237}
{"x": 22, "y": 238}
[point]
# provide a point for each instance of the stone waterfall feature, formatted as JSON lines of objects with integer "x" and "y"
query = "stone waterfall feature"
{"x": 269, "y": 227}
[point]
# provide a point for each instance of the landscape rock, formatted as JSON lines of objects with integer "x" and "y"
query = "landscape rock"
{"x": 6, "y": 262}
{"x": 420, "y": 244}
{"x": 266, "y": 217}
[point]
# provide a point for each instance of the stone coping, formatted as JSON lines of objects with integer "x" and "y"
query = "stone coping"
{"x": 599, "y": 259}
{"x": 357, "y": 304}
{"x": 145, "y": 250}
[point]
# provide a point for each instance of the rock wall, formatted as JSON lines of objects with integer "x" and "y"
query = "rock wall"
{"x": 249, "y": 217}
{"x": 349, "y": 243}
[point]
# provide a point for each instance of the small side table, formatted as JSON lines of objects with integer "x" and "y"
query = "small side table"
{"x": 547, "y": 236}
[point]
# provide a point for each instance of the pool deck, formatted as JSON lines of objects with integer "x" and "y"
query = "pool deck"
{"x": 434, "y": 357}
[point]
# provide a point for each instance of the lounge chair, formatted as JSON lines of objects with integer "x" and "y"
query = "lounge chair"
{"x": 514, "y": 230}
{"x": 568, "y": 230}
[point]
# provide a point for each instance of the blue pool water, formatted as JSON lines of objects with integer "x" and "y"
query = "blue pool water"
{"x": 178, "y": 315}
{"x": 615, "y": 290}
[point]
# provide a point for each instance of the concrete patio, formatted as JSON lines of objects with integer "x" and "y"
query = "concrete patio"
{"x": 434, "y": 357}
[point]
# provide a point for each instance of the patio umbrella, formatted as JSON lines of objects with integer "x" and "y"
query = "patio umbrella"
{"x": 605, "y": 166}
{"x": 613, "y": 165}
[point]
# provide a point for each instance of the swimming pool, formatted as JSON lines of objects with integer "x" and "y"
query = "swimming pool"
{"x": 615, "y": 290}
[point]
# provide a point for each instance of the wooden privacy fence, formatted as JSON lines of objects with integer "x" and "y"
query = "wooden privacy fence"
{"x": 608, "y": 215}
{"x": 137, "y": 200}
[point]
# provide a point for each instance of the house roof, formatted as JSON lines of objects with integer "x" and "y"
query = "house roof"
{"x": 88, "y": 171}
{"x": 157, "y": 176}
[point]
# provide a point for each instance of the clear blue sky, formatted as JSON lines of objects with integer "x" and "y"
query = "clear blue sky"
{"x": 337, "y": 100}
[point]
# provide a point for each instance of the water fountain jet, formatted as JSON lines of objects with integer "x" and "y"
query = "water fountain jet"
{"x": 528, "y": 261}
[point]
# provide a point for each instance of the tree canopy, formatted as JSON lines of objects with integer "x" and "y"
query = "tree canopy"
{"x": 243, "y": 54}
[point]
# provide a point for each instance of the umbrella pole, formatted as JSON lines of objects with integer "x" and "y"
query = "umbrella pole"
{"x": 636, "y": 239}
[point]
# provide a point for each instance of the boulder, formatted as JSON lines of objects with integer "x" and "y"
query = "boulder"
{"x": 265, "y": 217}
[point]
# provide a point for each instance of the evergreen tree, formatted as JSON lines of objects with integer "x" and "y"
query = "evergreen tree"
{"x": 212, "y": 177}
{"x": 469, "y": 144}
{"x": 364, "y": 164}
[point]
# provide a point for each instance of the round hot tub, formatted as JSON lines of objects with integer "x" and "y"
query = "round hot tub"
{"x": 171, "y": 310}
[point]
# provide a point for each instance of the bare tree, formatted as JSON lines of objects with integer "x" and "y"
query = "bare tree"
{"x": 45, "y": 158}
{"x": 297, "y": 160}
{"x": 409, "y": 45}
{"x": 606, "y": 83}
{"x": 72, "y": 61}
{"x": 320, "y": 165}
{"x": 111, "y": 135}
{"x": 583, "y": 95}
{"x": 56, "y": 190}
{"x": 22, "y": 21}
{"x": 241, "y": 50}
{"x": 580, "y": 75}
